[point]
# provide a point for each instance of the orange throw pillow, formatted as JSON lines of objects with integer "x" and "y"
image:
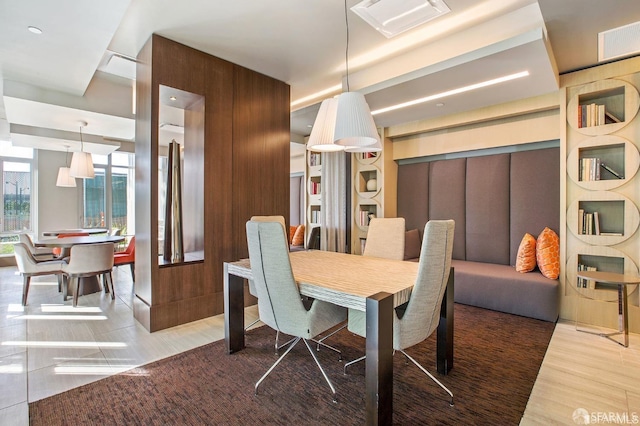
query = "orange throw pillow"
{"x": 548, "y": 253}
{"x": 298, "y": 237}
{"x": 526, "y": 258}
{"x": 292, "y": 231}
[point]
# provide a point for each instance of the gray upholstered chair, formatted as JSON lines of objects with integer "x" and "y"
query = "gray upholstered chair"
{"x": 252, "y": 287}
{"x": 385, "y": 238}
{"x": 416, "y": 320}
{"x": 89, "y": 260}
{"x": 39, "y": 253}
{"x": 29, "y": 267}
{"x": 279, "y": 302}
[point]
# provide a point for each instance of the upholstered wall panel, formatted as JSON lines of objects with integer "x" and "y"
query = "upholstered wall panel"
{"x": 413, "y": 195}
{"x": 487, "y": 196}
{"x": 535, "y": 194}
{"x": 447, "y": 198}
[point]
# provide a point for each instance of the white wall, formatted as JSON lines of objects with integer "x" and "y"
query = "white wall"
{"x": 57, "y": 207}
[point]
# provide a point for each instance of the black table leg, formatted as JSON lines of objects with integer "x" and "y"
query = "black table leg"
{"x": 233, "y": 311}
{"x": 379, "y": 362}
{"x": 444, "y": 352}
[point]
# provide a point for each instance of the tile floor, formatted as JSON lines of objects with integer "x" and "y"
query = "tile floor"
{"x": 50, "y": 347}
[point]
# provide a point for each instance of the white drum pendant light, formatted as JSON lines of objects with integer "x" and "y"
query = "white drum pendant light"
{"x": 321, "y": 138}
{"x": 64, "y": 178}
{"x": 82, "y": 162}
{"x": 355, "y": 127}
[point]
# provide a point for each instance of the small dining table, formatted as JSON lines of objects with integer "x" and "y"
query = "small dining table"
{"x": 369, "y": 284}
{"x": 88, "y": 284}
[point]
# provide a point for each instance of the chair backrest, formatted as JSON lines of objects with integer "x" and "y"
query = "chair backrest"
{"x": 279, "y": 219}
{"x": 279, "y": 303}
{"x": 423, "y": 310}
{"x": 24, "y": 259}
{"x": 26, "y": 240}
{"x": 131, "y": 247}
{"x": 87, "y": 258}
{"x": 385, "y": 238}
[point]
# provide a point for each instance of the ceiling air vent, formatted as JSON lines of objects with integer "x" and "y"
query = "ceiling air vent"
{"x": 392, "y": 17}
{"x": 619, "y": 42}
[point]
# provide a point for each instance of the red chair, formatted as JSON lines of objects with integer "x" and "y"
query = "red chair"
{"x": 127, "y": 257}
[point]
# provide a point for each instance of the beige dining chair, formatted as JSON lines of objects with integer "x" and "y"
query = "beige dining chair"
{"x": 385, "y": 239}
{"x": 279, "y": 302}
{"x": 29, "y": 267}
{"x": 39, "y": 253}
{"x": 416, "y": 320}
{"x": 88, "y": 260}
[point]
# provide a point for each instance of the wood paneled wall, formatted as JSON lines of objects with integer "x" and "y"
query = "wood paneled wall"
{"x": 246, "y": 172}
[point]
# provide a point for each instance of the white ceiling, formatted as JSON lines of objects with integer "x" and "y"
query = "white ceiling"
{"x": 50, "y": 81}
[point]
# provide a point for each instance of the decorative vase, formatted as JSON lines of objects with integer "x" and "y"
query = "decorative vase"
{"x": 372, "y": 185}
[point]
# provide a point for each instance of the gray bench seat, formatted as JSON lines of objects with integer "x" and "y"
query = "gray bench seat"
{"x": 502, "y": 288}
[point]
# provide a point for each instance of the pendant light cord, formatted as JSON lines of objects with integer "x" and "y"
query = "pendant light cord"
{"x": 81, "y": 142}
{"x": 346, "y": 51}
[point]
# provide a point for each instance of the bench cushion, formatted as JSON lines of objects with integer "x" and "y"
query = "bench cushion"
{"x": 501, "y": 288}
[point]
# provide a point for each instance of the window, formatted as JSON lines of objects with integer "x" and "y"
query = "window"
{"x": 109, "y": 197}
{"x": 16, "y": 165}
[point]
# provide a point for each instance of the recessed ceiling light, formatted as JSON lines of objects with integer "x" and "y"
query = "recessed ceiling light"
{"x": 34, "y": 30}
{"x": 173, "y": 98}
{"x": 439, "y": 104}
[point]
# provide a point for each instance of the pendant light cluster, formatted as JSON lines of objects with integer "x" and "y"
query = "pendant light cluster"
{"x": 345, "y": 123}
{"x": 82, "y": 162}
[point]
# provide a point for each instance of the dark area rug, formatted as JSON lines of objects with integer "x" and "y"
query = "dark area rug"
{"x": 497, "y": 358}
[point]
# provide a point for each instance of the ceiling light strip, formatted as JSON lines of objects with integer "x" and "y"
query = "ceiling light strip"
{"x": 452, "y": 92}
{"x": 320, "y": 94}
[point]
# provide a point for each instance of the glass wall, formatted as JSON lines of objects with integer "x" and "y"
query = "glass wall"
{"x": 16, "y": 165}
{"x": 109, "y": 197}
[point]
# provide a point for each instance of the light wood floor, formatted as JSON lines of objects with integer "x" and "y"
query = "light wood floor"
{"x": 50, "y": 347}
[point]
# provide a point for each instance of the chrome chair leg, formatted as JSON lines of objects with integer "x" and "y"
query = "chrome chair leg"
{"x": 275, "y": 364}
{"x": 424, "y": 370}
{"x": 252, "y": 324}
{"x": 315, "y": 358}
{"x": 352, "y": 362}
{"x": 284, "y": 344}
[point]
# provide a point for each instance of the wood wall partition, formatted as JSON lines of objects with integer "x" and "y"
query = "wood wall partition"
{"x": 246, "y": 172}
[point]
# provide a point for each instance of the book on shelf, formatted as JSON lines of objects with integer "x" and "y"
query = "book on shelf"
{"x": 590, "y": 115}
{"x": 612, "y": 171}
{"x": 315, "y": 159}
{"x": 583, "y": 282}
{"x": 588, "y": 223}
{"x": 589, "y": 169}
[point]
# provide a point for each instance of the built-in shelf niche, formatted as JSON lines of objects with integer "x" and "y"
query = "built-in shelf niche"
{"x": 605, "y": 259}
{"x": 617, "y": 214}
{"x": 366, "y": 211}
{"x": 314, "y": 214}
{"x": 617, "y": 99}
{"x": 367, "y": 182}
{"x": 181, "y": 119}
{"x": 315, "y": 187}
{"x": 613, "y": 152}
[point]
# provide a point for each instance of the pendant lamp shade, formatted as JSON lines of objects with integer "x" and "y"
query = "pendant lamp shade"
{"x": 321, "y": 138}
{"x": 82, "y": 166}
{"x": 82, "y": 162}
{"x": 65, "y": 179}
{"x": 376, "y": 147}
{"x": 354, "y": 123}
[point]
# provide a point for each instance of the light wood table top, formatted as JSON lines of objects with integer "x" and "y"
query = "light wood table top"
{"x": 88, "y": 231}
{"x": 609, "y": 277}
{"x": 72, "y": 241}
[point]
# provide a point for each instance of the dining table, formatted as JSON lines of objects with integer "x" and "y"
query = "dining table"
{"x": 87, "y": 284}
{"x": 369, "y": 284}
{"x": 88, "y": 231}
